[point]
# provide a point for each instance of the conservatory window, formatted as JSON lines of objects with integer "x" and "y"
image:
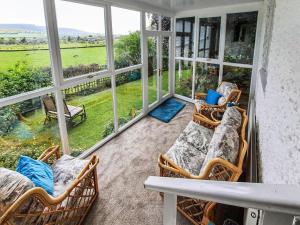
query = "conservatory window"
{"x": 82, "y": 39}
{"x": 88, "y": 105}
{"x": 209, "y": 37}
{"x": 127, "y": 47}
{"x": 240, "y": 37}
{"x": 152, "y": 21}
{"x": 26, "y": 130}
{"x": 129, "y": 96}
{"x": 24, "y": 52}
{"x": 185, "y": 37}
{"x": 184, "y": 78}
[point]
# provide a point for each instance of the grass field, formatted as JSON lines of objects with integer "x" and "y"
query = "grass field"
{"x": 41, "y": 58}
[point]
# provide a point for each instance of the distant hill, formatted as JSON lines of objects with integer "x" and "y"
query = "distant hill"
{"x": 31, "y": 28}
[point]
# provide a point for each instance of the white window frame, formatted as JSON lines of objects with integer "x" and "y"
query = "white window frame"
{"x": 59, "y": 83}
{"x": 220, "y": 12}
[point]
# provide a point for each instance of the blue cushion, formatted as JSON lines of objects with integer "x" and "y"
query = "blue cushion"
{"x": 38, "y": 172}
{"x": 212, "y": 97}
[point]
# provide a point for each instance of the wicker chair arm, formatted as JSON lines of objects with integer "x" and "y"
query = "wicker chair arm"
{"x": 204, "y": 121}
{"x": 52, "y": 151}
{"x": 217, "y": 168}
{"x": 44, "y": 198}
{"x": 200, "y": 95}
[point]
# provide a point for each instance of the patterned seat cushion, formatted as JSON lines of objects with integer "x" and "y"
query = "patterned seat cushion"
{"x": 65, "y": 171}
{"x": 190, "y": 148}
{"x": 12, "y": 186}
{"x": 224, "y": 144}
{"x": 232, "y": 117}
{"x": 225, "y": 89}
{"x": 198, "y": 104}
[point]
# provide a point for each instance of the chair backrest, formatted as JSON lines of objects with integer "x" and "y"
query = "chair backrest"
{"x": 66, "y": 109}
{"x": 230, "y": 91}
{"x": 49, "y": 103}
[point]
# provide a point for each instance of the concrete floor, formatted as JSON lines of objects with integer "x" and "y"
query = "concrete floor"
{"x": 125, "y": 163}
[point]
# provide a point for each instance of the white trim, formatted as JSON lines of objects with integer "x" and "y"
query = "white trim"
{"x": 127, "y": 69}
{"x": 218, "y": 11}
{"x": 237, "y": 65}
{"x": 57, "y": 70}
{"x": 144, "y": 60}
{"x": 184, "y": 58}
{"x": 187, "y": 99}
{"x": 222, "y": 45}
{"x": 111, "y": 66}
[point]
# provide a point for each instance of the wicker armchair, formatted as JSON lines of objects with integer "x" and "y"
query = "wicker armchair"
{"x": 36, "y": 207}
{"x": 200, "y": 212}
{"x": 205, "y": 109}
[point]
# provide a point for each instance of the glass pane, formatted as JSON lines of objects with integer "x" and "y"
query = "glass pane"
{"x": 207, "y": 77}
{"x": 184, "y": 78}
{"x": 24, "y": 51}
{"x": 209, "y": 37}
{"x": 24, "y": 130}
{"x": 81, "y": 32}
{"x": 126, "y": 32}
{"x": 129, "y": 96}
{"x": 152, "y": 70}
{"x": 241, "y": 77}
{"x": 165, "y": 65}
{"x": 166, "y": 23}
{"x": 185, "y": 37}
{"x": 88, "y": 113}
{"x": 152, "y": 21}
{"x": 240, "y": 37}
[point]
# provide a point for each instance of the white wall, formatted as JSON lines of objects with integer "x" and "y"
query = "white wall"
{"x": 278, "y": 94}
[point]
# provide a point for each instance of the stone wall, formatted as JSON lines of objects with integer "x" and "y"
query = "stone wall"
{"x": 278, "y": 94}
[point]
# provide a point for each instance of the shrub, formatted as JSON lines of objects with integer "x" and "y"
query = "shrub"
{"x": 109, "y": 127}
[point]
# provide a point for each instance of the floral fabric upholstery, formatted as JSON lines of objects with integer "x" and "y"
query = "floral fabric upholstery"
{"x": 232, "y": 117}
{"x": 12, "y": 186}
{"x": 224, "y": 144}
{"x": 225, "y": 89}
{"x": 65, "y": 171}
{"x": 190, "y": 148}
{"x": 198, "y": 104}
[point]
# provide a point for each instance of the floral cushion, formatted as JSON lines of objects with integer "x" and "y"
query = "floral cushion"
{"x": 190, "y": 148}
{"x": 225, "y": 89}
{"x": 232, "y": 117}
{"x": 222, "y": 100}
{"x": 224, "y": 144}
{"x": 65, "y": 171}
{"x": 12, "y": 186}
{"x": 198, "y": 104}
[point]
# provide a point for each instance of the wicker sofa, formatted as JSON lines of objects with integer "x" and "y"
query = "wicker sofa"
{"x": 191, "y": 157}
{"x": 230, "y": 93}
{"x": 69, "y": 206}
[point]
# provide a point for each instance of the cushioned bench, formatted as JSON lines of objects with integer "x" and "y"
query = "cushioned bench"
{"x": 206, "y": 149}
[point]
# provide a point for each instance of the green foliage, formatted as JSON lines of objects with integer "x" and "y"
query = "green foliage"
{"x": 22, "y": 78}
{"x": 8, "y": 119}
{"x": 109, "y": 127}
{"x": 128, "y": 50}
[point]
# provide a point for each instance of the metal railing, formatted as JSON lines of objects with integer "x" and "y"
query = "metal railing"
{"x": 280, "y": 203}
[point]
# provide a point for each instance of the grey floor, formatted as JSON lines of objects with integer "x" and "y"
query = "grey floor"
{"x": 125, "y": 163}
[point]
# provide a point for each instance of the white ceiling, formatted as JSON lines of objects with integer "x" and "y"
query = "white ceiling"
{"x": 181, "y": 5}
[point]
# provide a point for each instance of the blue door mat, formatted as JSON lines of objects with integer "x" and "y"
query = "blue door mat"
{"x": 167, "y": 110}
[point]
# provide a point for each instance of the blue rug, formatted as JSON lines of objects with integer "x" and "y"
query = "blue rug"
{"x": 167, "y": 110}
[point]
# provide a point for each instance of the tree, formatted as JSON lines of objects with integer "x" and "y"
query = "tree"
{"x": 128, "y": 50}
{"x": 23, "y": 40}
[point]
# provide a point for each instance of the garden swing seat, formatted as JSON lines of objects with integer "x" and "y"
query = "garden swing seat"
{"x": 71, "y": 112}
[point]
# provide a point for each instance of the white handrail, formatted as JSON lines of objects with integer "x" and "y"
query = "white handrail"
{"x": 269, "y": 197}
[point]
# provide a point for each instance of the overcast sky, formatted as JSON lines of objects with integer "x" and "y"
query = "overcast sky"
{"x": 69, "y": 15}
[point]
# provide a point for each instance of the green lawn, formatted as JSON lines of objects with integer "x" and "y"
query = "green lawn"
{"x": 41, "y": 58}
